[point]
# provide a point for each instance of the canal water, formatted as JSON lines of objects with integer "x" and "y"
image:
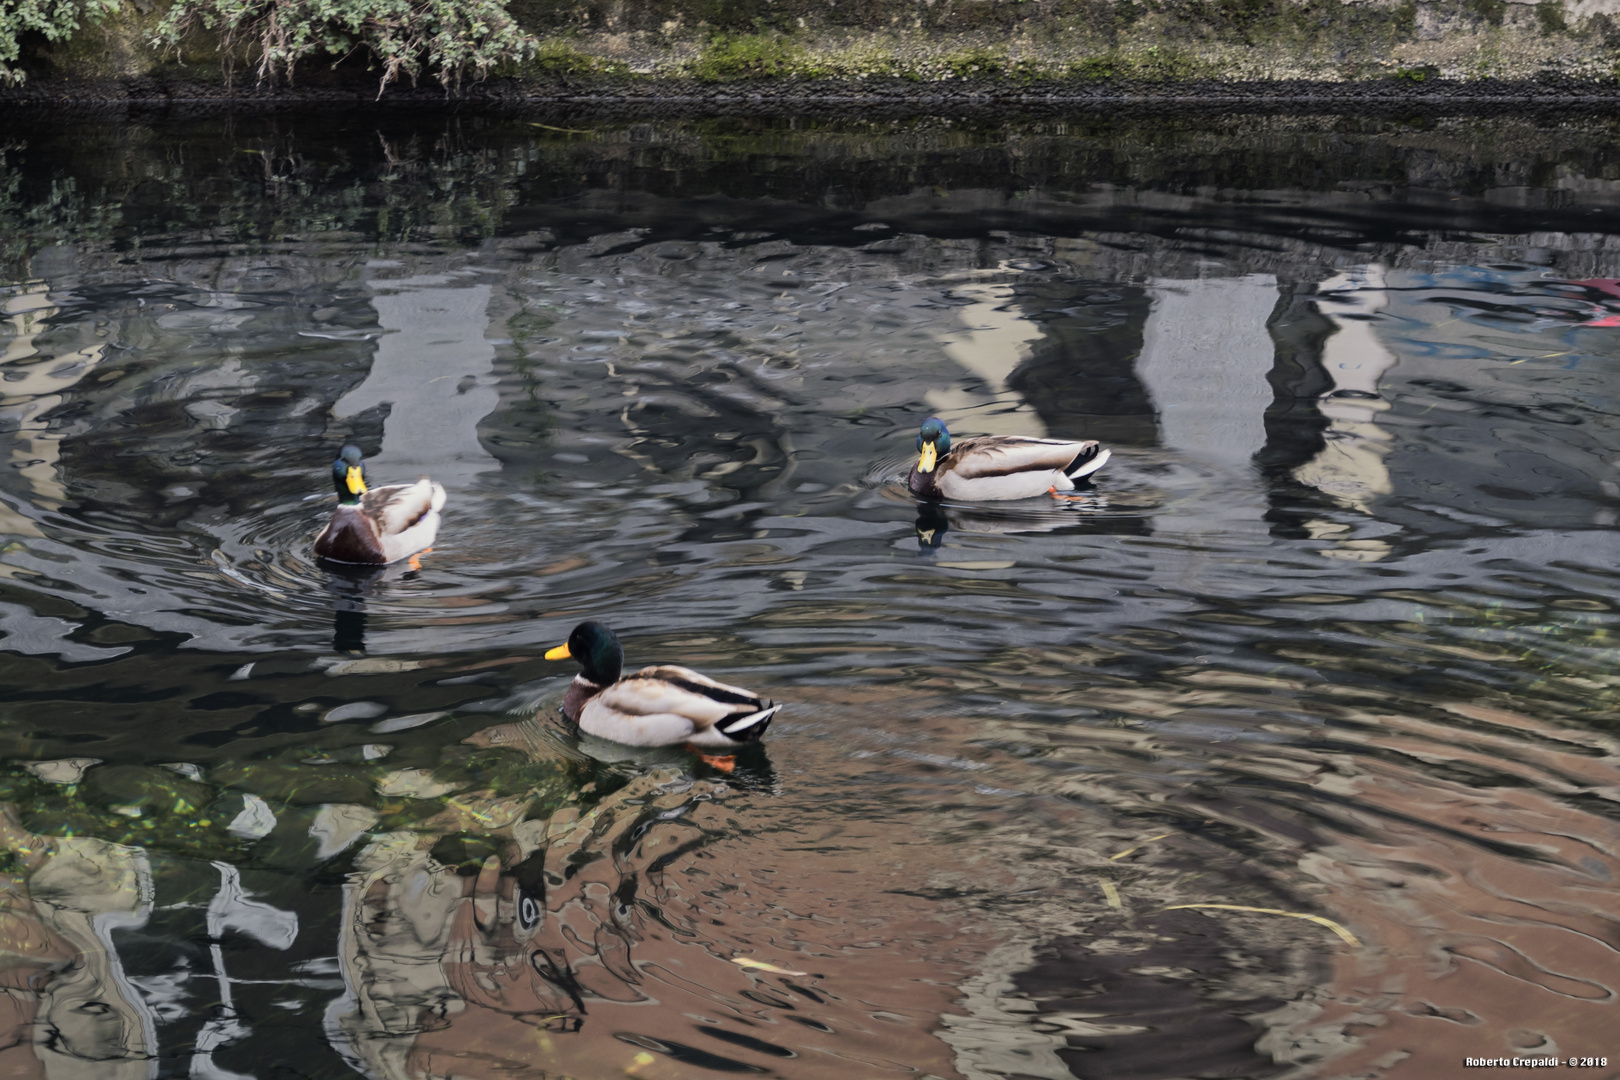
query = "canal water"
{"x": 1288, "y": 749}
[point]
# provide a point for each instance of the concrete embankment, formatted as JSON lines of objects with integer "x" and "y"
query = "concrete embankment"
{"x": 919, "y": 53}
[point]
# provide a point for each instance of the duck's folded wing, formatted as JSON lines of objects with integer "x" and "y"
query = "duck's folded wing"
{"x": 672, "y": 689}
{"x": 700, "y": 683}
{"x": 399, "y": 506}
{"x": 1005, "y": 455}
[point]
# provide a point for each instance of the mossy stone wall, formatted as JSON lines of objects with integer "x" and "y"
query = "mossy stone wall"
{"x": 636, "y": 45}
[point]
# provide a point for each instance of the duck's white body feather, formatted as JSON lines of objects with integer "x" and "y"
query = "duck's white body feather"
{"x": 669, "y": 704}
{"x": 1014, "y": 467}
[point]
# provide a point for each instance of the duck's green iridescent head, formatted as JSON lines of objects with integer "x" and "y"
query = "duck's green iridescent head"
{"x": 933, "y": 443}
{"x": 348, "y": 475}
{"x": 596, "y": 648}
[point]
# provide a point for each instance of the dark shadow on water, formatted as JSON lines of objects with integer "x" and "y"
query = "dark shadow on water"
{"x": 1156, "y": 998}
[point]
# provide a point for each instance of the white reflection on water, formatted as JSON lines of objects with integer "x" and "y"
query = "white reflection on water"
{"x": 1205, "y": 357}
{"x": 434, "y": 370}
{"x": 1351, "y": 465}
{"x": 995, "y": 343}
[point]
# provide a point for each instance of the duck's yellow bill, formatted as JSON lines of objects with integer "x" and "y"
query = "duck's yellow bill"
{"x": 356, "y": 481}
{"x": 559, "y": 653}
{"x": 925, "y": 464}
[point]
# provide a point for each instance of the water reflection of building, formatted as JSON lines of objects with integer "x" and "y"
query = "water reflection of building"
{"x": 1081, "y": 376}
{"x": 36, "y": 383}
{"x": 995, "y": 342}
{"x": 1506, "y": 401}
{"x": 70, "y": 1009}
{"x": 1224, "y": 378}
{"x": 1350, "y": 467}
{"x": 599, "y": 938}
{"x": 196, "y": 358}
{"x": 434, "y": 370}
{"x": 1205, "y": 357}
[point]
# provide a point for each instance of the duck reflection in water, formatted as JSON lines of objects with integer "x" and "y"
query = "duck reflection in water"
{"x": 932, "y": 525}
{"x": 935, "y": 520}
{"x": 351, "y": 586}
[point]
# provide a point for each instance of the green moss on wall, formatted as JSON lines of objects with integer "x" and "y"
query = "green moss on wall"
{"x": 731, "y": 57}
{"x": 1550, "y": 17}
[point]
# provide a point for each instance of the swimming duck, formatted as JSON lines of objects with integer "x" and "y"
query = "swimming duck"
{"x": 377, "y": 525}
{"x": 998, "y": 466}
{"x": 657, "y": 706}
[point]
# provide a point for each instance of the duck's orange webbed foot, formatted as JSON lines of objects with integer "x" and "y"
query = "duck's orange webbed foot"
{"x": 1052, "y": 491}
{"x": 724, "y": 762}
{"x": 415, "y": 561}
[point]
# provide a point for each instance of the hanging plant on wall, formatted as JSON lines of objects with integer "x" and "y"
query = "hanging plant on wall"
{"x": 448, "y": 38}
{"x": 56, "y": 19}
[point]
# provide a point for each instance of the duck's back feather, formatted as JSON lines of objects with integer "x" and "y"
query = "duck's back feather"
{"x": 400, "y": 507}
{"x": 695, "y": 682}
{"x": 1003, "y": 455}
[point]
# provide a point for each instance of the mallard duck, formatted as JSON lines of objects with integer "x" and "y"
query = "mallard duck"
{"x": 657, "y": 706}
{"x": 377, "y": 525}
{"x": 998, "y": 466}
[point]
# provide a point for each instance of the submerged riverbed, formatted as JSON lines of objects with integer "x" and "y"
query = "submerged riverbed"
{"x": 1330, "y": 636}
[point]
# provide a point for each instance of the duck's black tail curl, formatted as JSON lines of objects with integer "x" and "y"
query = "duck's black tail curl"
{"x": 749, "y": 726}
{"x": 1092, "y": 456}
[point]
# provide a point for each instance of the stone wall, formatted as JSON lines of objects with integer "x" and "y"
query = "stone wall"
{"x": 909, "y": 49}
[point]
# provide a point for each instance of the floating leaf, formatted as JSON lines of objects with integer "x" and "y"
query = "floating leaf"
{"x": 1144, "y": 843}
{"x": 1347, "y": 936}
{"x": 760, "y": 965}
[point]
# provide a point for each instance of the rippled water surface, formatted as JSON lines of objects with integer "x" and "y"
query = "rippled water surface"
{"x": 1331, "y": 636}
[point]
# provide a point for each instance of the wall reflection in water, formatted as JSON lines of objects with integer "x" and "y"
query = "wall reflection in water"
{"x": 1330, "y": 636}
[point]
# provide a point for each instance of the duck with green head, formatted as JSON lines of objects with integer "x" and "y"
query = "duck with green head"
{"x": 992, "y": 467}
{"x": 665, "y": 705}
{"x": 377, "y": 526}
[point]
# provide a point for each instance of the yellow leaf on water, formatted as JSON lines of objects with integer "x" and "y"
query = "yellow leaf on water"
{"x": 1348, "y": 938}
{"x": 1144, "y": 843}
{"x": 760, "y": 965}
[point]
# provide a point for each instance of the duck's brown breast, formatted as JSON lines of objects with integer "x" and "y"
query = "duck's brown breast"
{"x": 349, "y": 538}
{"x": 579, "y": 692}
{"x": 923, "y": 485}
